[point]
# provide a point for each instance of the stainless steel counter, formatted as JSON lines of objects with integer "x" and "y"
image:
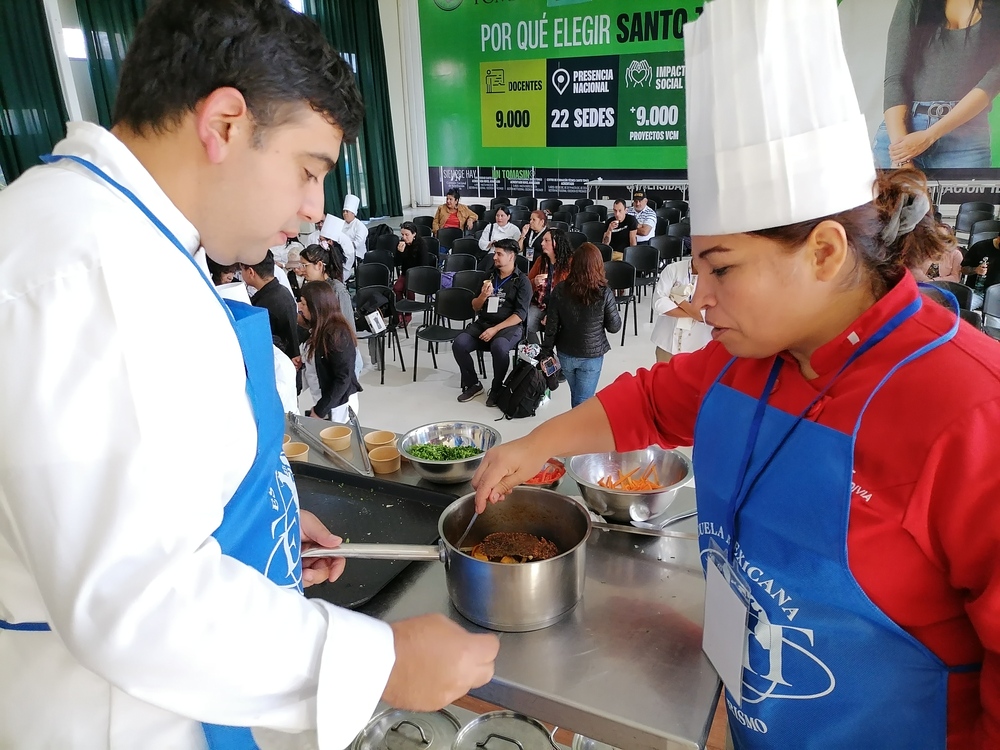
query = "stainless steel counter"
{"x": 625, "y": 667}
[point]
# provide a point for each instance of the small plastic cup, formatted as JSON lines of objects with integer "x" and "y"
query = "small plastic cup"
{"x": 336, "y": 438}
{"x": 297, "y": 451}
{"x": 378, "y": 438}
{"x": 385, "y": 459}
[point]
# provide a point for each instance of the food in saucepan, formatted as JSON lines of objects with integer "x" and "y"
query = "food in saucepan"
{"x": 438, "y": 452}
{"x": 551, "y": 472}
{"x": 513, "y": 547}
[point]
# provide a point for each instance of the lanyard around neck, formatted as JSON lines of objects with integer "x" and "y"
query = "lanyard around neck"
{"x": 52, "y": 158}
{"x": 744, "y": 483}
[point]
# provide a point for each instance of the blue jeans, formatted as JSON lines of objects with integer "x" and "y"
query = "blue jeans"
{"x": 582, "y": 374}
{"x": 967, "y": 147}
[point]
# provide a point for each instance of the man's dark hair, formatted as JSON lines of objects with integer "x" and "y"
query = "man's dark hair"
{"x": 623, "y": 203}
{"x": 264, "y": 269}
{"x": 183, "y": 50}
{"x": 509, "y": 245}
{"x": 455, "y": 193}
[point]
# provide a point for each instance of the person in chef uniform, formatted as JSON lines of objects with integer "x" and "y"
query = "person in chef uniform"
{"x": 332, "y": 237}
{"x": 852, "y": 576}
{"x": 354, "y": 229}
{"x": 678, "y": 327}
{"x": 150, "y": 566}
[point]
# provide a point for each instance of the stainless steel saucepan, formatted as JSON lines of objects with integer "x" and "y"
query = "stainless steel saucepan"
{"x": 510, "y": 598}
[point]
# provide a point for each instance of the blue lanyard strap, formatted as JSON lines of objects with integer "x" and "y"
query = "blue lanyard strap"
{"x": 32, "y": 627}
{"x": 742, "y": 487}
{"x": 499, "y": 284}
{"x": 52, "y": 158}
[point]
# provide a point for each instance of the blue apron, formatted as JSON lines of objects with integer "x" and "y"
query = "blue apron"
{"x": 823, "y": 667}
{"x": 260, "y": 523}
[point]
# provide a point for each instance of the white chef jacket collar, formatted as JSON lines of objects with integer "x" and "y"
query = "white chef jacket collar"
{"x": 104, "y": 150}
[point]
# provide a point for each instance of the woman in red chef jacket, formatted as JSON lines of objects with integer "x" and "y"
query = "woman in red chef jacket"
{"x": 857, "y": 534}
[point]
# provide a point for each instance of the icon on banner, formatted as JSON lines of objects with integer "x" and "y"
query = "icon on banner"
{"x": 639, "y": 73}
{"x": 495, "y": 83}
{"x": 447, "y": 4}
{"x": 560, "y": 79}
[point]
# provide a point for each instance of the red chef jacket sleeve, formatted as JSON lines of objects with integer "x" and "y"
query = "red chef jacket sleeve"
{"x": 659, "y": 406}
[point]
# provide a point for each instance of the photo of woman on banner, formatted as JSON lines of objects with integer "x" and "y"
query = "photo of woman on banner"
{"x": 942, "y": 73}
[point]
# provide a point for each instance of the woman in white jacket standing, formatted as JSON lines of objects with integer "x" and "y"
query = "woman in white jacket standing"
{"x": 150, "y": 569}
{"x": 678, "y": 327}
{"x": 501, "y": 229}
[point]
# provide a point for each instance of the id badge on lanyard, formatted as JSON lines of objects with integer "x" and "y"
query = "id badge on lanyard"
{"x": 492, "y": 304}
{"x": 727, "y": 612}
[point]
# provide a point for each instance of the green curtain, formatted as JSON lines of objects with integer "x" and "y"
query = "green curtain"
{"x": 369, "y": 171}
{"x": 32, "y": 110}
{"x": 108, "y": 27}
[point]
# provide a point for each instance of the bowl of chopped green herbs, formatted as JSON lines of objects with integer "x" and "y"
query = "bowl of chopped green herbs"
{"x": 448, "y": 452}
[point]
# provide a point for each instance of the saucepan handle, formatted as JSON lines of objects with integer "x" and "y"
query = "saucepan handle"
{"x": 380, "y": 552}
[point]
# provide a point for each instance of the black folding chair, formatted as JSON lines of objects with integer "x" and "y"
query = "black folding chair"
{"x": 425, "y": 281}
{"x": 387, "y": 242}
{"x": 582, "y": 203}
{"x": 427, "y": 221}
{"x": 561, "y": 225}
{"x": 423, "y": 230}
{"x": 448, "y": 235}
{"x": 966, "y": 221}
{"x": 522, "y": 264}
{"x": 670, "y": 249}
{"x": 986, "y": 225}
{"x": 594, "y": 231}
{"x": 451, "y": 305}
{"x": 391, "y": 332}
{"x": 584, "y": 217}
{"x": 500, "y": 200}
{"x": 679, "y": 230}
{"x": 459, "y": 262}
{"x": 575, "y": 239}
{"x": 372, "y": 274}
{"x": 646, "y": 260}
{"x": 564, "y": 216}
{"x": 607, "y": 252}
{"x": 621, "y": 280}
{"x": 527, "y": 202}
{"x": 962, "y": 292}
{"x": 681, "y": 206}
{"x": 471, "y": 280}
{"x": 478, "y": 209}
{"x": 600, "y": 209}
{"x": 550, "y": 204}
{"x": 466, "y": 246}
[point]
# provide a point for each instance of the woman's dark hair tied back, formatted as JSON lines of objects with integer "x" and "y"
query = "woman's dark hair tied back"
{"x": 883, "y": 262}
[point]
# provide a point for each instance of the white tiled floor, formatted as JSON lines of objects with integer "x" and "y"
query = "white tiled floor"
{"x": 400, "y": 404}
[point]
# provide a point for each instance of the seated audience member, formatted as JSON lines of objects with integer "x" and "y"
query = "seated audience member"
{"x": 331, "y": 348}
{"x": 679, "y": 327}
{"x": 277, "y": 300}
{"x": 222, "y": 274}
{"x": 551, "y": 266}
{"x": 531, "y": 235}
{"x": 502, "y": 308}
{"x": 355, "y": 229}
{"x": 502, "y": 229}
{"x": 409, "y": 254}
{"x": 947, "y": 267}
{"x": 452, "y": 213}
{"x": 579, "y": 312}
{"x": 645, "y": 217}
{"x": 620, "y": 231}
{"x": 982, "y": 264}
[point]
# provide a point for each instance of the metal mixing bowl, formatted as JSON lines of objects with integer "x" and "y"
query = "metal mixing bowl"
{"x": 672, "y": 467}
{"x": 456, "y": 434}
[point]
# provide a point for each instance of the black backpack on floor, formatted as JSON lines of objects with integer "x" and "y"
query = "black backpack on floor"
{"x": 522, "y": 391}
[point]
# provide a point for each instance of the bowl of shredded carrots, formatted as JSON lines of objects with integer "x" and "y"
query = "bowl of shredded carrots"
{"x": 633, "y": 486}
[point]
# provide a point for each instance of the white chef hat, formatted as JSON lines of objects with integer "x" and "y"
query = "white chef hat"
{"x": 774, "y": 132}
{"x": 332, "y": 228}
{"x": 351, "y": 203}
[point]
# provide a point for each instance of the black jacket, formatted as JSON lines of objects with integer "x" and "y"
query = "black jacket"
{"x": 282, "y": 312}
{"x": 337, "y": 381}
{"x": 576, "y": 329}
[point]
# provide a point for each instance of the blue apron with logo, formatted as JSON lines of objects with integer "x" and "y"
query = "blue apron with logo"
{"x": 260, "y": 523}
{"x": 823, "y": 666}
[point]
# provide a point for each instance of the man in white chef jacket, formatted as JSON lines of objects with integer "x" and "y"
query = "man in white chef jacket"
{"x": 127, "y": 427}
{"x": 355, "y": 229}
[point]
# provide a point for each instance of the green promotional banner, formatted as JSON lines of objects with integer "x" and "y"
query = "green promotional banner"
{"x": 551, "y": 96}
{"x": 555, "y": 84}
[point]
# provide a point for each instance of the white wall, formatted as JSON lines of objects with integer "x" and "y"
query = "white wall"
{"x": 865, "y": 25}
{"x": 389, "y": 17}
